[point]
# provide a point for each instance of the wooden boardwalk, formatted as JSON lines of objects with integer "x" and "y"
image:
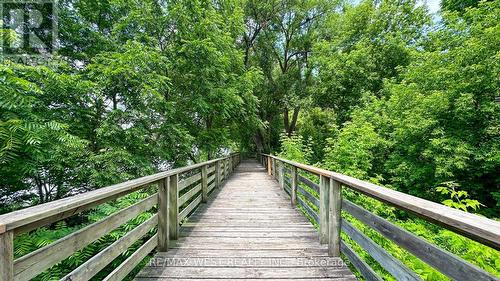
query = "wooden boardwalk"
{"x": 248, "y": 230}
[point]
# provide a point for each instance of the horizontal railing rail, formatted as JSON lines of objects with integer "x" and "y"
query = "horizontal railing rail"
{"x": 323, "y": 203}
{"x": 180, "y": 191}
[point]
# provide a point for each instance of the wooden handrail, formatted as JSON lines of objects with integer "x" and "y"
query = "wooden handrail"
{"x": 170, "y": 212}
{"x": 331, "y": 224}
{"x": 78, "y": 203}
{"x": 478, "y": 228}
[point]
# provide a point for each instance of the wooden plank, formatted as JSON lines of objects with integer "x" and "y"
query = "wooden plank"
{"x": 447, "y": 263}
{"x": 211, "y": 169}
{"x": 52, "y": 211}
{"x": 287, "y": 190}
{"x": 242, "y": 279}
{"x": 308, "y": 209}
{"x": 183, "y": 184}
{"x": 184, "y": 213}
{"x": 358, "y": 263}
{"x": 388, "y": 262}
{"x": 249, "y": 229}
{"x": 335, "y": 205}
{"x": 313, "y": 273}
{"x": 204, "y": 184}
{"x": 248, "y": 219}
{"x": 245, "y": 234}
{"x": 211, "y": 179}
{"x": 309, "y": 183}
{"x": 217, "y": 174}
{"x": 131, "y": 262}
{"x": 481, "y": 229}
{"x": 281, "y": 179}
{"x": 269, "y": 172}
{"x": 188, "y": 195}
{"x": 273, "y": 169}
{"x": 163, "y": 207}
{"x": 293, "y": 195}
{"x": 7, "y": 256}
{"x": 95, "y": 264}
{"x": 217, "y": 241}
{"x": 311, "y": 198}
{"x": 173, "y": 207}
{"x": 211, "y": 186}
{"x": 32, "y": 264}
{"x": 323, "y": 209}
{"x": 232, "y": 262}
{"x": 249, "y": 253}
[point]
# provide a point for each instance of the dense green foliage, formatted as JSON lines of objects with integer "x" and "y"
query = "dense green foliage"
{"x": 135, "y": 89}
{"x": 415, "y": 108}
{"x": 379, "y": 90}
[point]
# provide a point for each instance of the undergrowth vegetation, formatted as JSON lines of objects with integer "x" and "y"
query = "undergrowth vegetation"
{"x": 295, "y": 148}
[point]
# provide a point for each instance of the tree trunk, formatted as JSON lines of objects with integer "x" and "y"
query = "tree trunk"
{"x": 286, "y": 120}
{"x": 293, "y": 125}
{"x": 290, "y": 126}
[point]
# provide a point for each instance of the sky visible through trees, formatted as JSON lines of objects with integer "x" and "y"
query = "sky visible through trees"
{"x": 400, "y": 93}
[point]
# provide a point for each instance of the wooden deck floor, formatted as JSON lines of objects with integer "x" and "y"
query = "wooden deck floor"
{"x": 247, "y": 231}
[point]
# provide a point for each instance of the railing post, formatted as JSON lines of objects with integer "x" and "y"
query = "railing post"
{"x": 230, "y": 164}
{"x": 324, "y": 183}
{"x": 293, "y": 188}
{"x": 163, "y": 228}
{"x": 282, "y": 175}
{"x": 204, "y": 184}
{"x": 335, "y": 211}
{"x": 223, "y": 170}
{"x": 7, "y": 256}
{"x": 217, "y": 173}
{"x": 273, "y": 170}
{"x": 269, "y": 172}
{"x": 174, "y": 208}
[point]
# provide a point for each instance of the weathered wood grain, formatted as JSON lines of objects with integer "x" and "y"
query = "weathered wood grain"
{"x": 447, "y": 263}
{"x": 189, "y": 208}
{"x": 242, "y": 279}
{"x": 173, "y": 206}
{"x": 388, "y": 262}
{"x": 92, "y": 266}
{"x": 47, "y": 213}
{"x": 131, "y": 262}
{"x": 294, "y": 184}
{"x": 308, "y": 210}
{"x": 188, "y": 195}
{"x": 211, "y": 169}
{"x": 189, "y": 181}
{"x": 335, "y": 215}
{"x": 324, "y": 197}
{"x": 227, "y": 273}
{"x": 163, "y": 221}
{"x": 204, "y": 184}
{"x": 36, "y": 262}
{"x": 309, "y": 183}
{"x": 247, "y": 222}
{"x": 358, "y": 263}
{"x": 481, "y": 229}
{"x": 217, "y": 174}
{"x": 7, "y": 256}
{"x": 311, "y": 198}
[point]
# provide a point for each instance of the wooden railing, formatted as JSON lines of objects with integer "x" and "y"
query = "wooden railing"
{"x": 330, "y": 204}
{"x": 194, "y": 182}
